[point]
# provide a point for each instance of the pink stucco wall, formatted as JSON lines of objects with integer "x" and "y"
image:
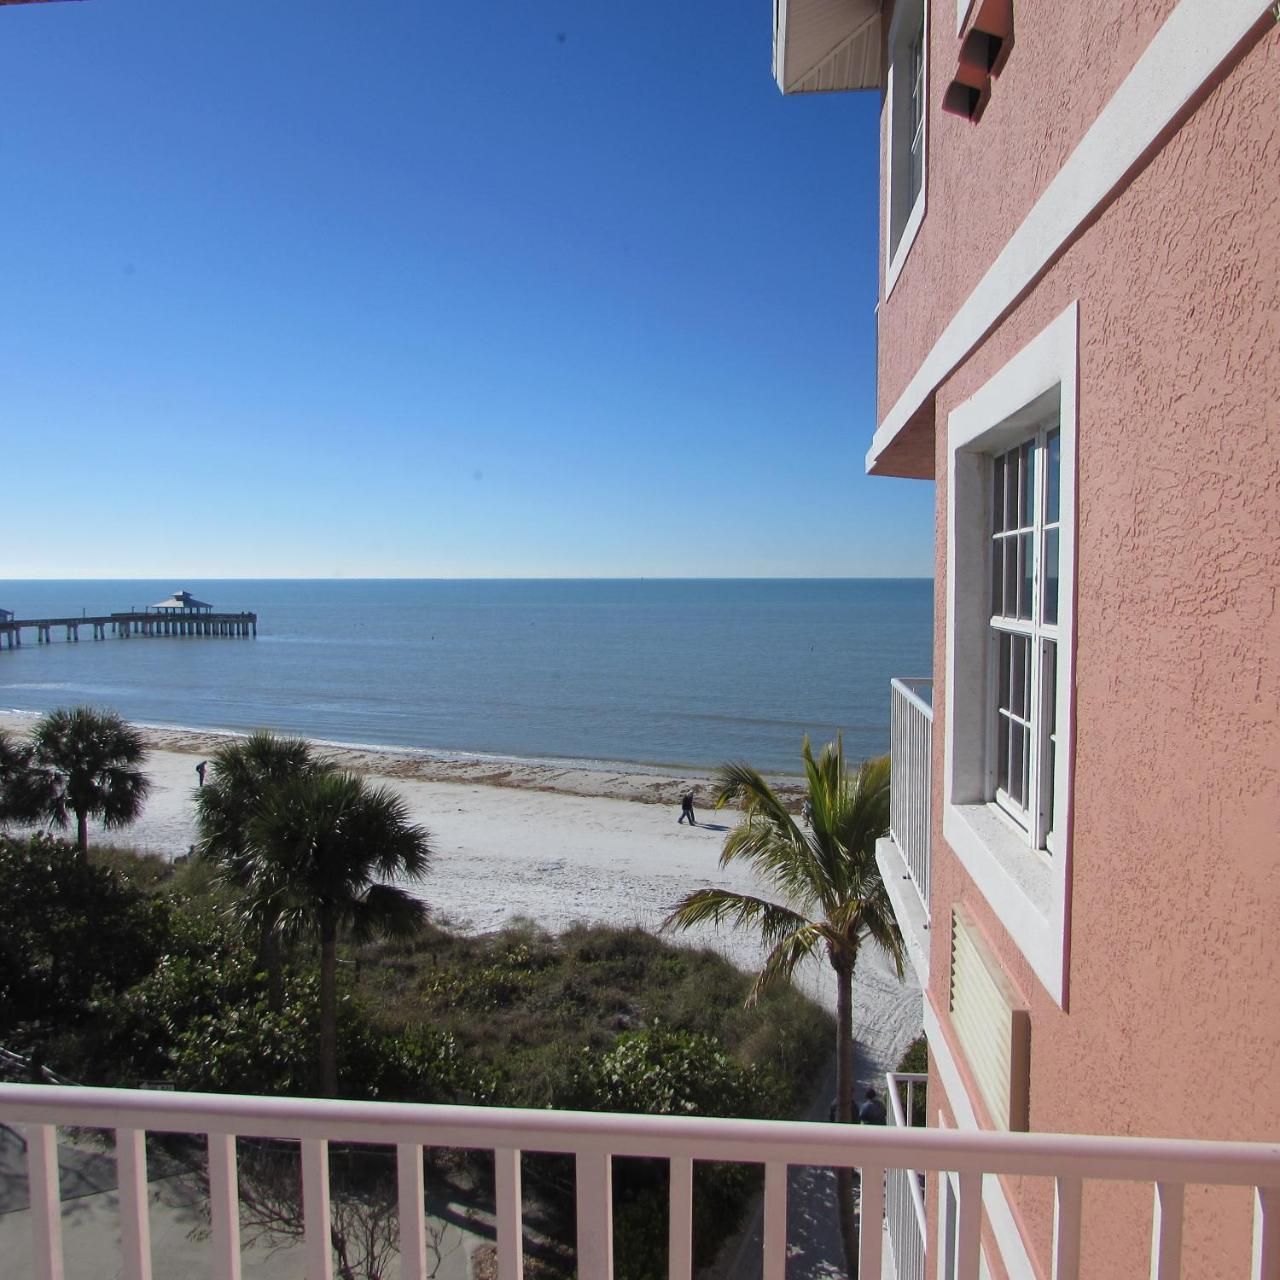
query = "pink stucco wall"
{"x": 983, "y": 178}
{"x": 1173, "y": 1018}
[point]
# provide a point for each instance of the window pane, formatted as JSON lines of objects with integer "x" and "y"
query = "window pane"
{"x": 1049, "y": 600}
{"x": 1053, "y": 476}
{"x": 997, "y": 578}
{"x": 1017, "y": 763}
{"x": 1028, "y": 515}
{"x": 1011, "y": 491}
{"x": 1010, "y": 577}
{"x": 1017, "y": 676}
{"x": 1002, "y": 673}
{"x": 1049, "y": 703}
{"x": 997, "y": 496}
{"x": 1024, "y": 575}
{"x": 1002, "y": 753}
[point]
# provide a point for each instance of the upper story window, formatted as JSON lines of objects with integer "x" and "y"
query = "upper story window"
{"x": 1008, "y": 707}
{"x": 907, "y": 133}
{"x": 1023, "y": 630}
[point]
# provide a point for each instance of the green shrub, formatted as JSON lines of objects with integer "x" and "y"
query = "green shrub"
{"x": 665, "y": 1072}
{"x": 71, "y": 930}
{"x": 916, "y": 1061}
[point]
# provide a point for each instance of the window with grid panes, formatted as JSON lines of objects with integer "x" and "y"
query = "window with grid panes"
{"x": 916, "y": 70}
{"x": 908, "y": 108}
{"x": 1026, "y": 523}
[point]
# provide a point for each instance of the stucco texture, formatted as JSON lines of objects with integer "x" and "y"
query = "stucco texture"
{"x": 983, "y": 178}
{"x": 1172, "y": 1018}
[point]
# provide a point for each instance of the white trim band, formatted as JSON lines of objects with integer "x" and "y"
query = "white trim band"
{"x": 1196, "y": 38}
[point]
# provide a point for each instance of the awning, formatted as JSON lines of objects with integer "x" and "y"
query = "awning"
{"x": 826, "y": 46}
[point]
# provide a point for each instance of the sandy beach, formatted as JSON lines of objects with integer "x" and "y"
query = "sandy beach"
{"x": 548, "y": 843}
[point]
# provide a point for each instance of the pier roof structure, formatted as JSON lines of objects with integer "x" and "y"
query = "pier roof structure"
{"x": 182, "y": 602}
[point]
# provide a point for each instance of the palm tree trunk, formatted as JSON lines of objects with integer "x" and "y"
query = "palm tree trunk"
{"x": 328, "y": 1004}
{"x": 82, "y": 833}
{"x": 844, "y": 1104}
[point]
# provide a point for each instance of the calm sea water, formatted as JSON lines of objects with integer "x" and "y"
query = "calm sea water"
{"x": 649, "y": 672}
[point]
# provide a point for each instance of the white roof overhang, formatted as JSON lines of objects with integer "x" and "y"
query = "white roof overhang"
{"x": 825, "y": 46}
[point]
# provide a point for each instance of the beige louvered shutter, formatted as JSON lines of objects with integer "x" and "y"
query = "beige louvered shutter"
{"x": 991, "y": 1023}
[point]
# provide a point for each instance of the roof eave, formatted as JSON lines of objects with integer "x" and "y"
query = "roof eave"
{"x": 826, "y": 46}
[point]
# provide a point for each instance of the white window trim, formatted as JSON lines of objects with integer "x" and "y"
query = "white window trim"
{"x": 1028, "y": 892}
{"x": 895, "y": 258}
{"x": 962, "y": 12}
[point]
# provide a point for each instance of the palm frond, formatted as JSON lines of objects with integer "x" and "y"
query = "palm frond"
{"x": 740, "y": 910}
{"x": 386, "y": 912}
{"x": 787, "y": 954}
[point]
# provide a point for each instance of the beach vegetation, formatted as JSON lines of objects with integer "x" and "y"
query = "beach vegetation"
{"x": 595, "y": 1018}
{"x": 88, "y": 764}
{"x": 830, "y": 898}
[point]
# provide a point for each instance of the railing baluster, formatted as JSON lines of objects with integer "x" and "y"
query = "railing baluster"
{"x": 506, "y": 1166}
{"x": 595, "y": 1216}
{"x": 1166, "y": 1231}
{"x": 135, "y": 1217}
{"x": 46, "y": 1201}
{"x": 775, "y": 1221}
{"x": 224, "y": 1206}
{"x": 1266, "y": 1233}
{"x": 410, "y": 1199}
{"x": 680, "y": 1232}
{"x": 316, "y": 1220}
{"x": 871, "y": 1221}
{"x": 969, "y": 1232}
{"x": 1066, "y": 1228}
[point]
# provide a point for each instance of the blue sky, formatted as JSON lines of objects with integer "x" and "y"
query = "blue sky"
{"x": 533, "y": 287}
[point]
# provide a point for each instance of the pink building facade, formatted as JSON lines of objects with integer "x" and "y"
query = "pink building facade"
{"x": 1079, "y": 343}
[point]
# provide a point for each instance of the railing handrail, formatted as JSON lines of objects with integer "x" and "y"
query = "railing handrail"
{"x": 746, "y": 1141}
{"x": 900, "y": 1121}
{"x": 904, "y": 686}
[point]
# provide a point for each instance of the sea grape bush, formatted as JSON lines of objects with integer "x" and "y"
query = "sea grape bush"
{"x": 662, "y": 1071}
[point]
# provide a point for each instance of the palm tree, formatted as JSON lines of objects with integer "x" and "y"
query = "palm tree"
{"x": 833, "y": 898}
{"x": 89, "y": 761}
{"x": 321, "y": 843}
{"x": 24, "y": 788}
{"x": 242, "y": 773}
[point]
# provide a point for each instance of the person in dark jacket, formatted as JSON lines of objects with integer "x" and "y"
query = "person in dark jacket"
{"x": 686, "y": 810}
{"x": 872, "y": 1110}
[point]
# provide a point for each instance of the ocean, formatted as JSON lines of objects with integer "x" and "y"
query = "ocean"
{"x": 660, "y": 673}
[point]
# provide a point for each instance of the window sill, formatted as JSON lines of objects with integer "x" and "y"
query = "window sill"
{"x": 910, "y": 230}
{"x": 1019, "y": 884}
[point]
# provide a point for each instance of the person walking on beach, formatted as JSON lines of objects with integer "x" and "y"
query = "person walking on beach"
{"x": 200, "y": 768}
{"x": 686, "y": 810}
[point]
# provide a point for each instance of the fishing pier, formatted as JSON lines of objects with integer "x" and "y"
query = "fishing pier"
{"x": 180, "y": 615}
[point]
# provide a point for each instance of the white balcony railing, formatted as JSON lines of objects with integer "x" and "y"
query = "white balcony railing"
{"x": 911, "y": 753}
{"x": 904, "y": 1193}
{"x": 594, "y": 1140}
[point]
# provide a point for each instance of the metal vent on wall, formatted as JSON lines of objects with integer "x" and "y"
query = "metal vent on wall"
{"x": 992, "y": 1025}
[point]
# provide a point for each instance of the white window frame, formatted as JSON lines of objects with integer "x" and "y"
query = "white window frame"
{"x": 1027, "y": 890}
{"x": 902, "y": 224}
{"x": 1035, "y": 813}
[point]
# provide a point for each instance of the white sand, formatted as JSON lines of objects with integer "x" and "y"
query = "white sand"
{"x": 553, "y": 845}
